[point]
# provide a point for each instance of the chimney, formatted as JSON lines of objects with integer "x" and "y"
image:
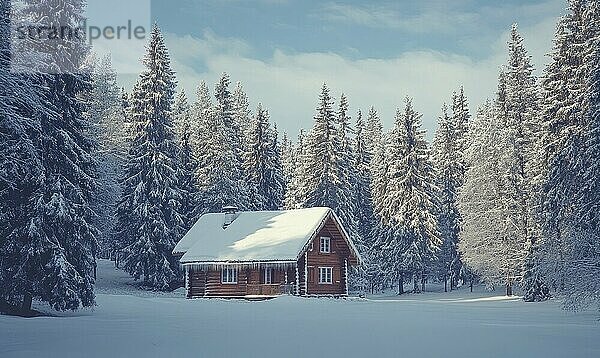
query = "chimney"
{"x": 230, "y": 213}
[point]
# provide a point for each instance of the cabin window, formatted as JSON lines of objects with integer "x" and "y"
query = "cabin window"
{"x": 268, "y": 276}
{"x": 229, "y": 275}
{"x": 325, "y": 274}
{"x": 325, "y": 244}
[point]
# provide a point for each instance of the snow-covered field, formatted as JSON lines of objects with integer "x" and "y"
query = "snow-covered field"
{"x": 130, "y": 323}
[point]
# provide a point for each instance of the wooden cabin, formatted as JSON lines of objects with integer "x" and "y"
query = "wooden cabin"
{"x": 260, "y": 254}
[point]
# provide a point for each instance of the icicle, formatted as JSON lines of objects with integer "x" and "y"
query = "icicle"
{"x": 187, "y": 281}
{"x": 306, "y": 274}
{"x": 346, "y": 274}
{"x": 297, "y": 281}
{"x": 216, "y": 266}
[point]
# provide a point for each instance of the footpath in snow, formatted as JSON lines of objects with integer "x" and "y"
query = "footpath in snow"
{"x": 131, "y": 323}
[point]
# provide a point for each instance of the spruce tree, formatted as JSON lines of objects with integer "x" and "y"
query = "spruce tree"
{"x": 569, "y": 243}
{"x": 263, "y": 164}
{"x": 219, "y": 174}
{"x": 288, "y": 158}
{"x": 294, "y": 189}
{"x": 149, "y": 214}
{"x": 448, "y": 163}
{"x": 241, "y": 113}
{"x": 106, "y": 115}
{"x": 523, "y": 123}
{"x": 187, "y": 160}
{"x": 367, "y": 276}
{"x": 347, "y": 208}
{"x": 563, "y": 108}
{"x": 324, "y": 179}
{"x": 20, "y": 170}
{"x": 52, "y": 258}
{"x": 408, "y": 204}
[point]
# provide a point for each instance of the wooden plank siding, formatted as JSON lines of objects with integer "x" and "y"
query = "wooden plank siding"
{"x": 250, "y": 281}
{"x": 339, "y": 252}
{"x": 208, "y": 283}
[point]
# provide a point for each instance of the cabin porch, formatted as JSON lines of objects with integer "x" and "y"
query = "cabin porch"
{"x": 241, "y": 280}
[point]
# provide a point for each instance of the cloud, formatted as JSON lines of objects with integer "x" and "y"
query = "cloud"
{"x": 386, "y": 16}
{"x": 288, "y": 83}
{"x": 437, "y": 17}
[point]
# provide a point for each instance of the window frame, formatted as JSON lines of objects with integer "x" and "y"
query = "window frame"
{"x": 229, "y": 275}
{"x": 268, "y": 270}
{"x": 327, "y": 273}
{"x": 323, "y": 246}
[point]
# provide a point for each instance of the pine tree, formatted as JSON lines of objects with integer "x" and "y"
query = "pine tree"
{"x": 106, "y": 114}
{"x": 288, "y": 158}
{"x": 241, "y": 113}
{"x": 479, "y": 198}
{"x": 362, "y": 178}
{"x": 219, "y": 175}
{"x": 408, "y": 203}
{"x": 368, "y": 273}
{"x": 201, "y": 113}
{"x": 461, "y": 119}
{"x": 20, "y": 169}
{"x": 508, "y": 178}
{"x": 583, "y": 288}
{"x": 347, "y": 208}
{"x": 187, "y": 161}
{"x": 523, "y": 124}
{"x": 149, "y": 213}
{"x": 294, "y": 189}
{"x": 323, "y": 181}
{"x": 263, "y": 164}
{"x": 569, "y": 243}
{"x": 319, "y": 181}
{"x": 448, "y": 169}
{"x": 279, "y": 176}
{"x": 562, "y": 112}
{"x": 378, "y": 269}
{"x": 373, "y": 130}
{"x": 52, "y": 256}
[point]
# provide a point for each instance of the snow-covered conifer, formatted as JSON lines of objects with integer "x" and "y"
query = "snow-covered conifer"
{"x": 219, "y": 174}
{"x": 408, "y": 206}
{"x": 149, "y": 213}
{"x": 322, "y": 181}
{"x": 263, "y": 164}
{"x": 569, "y": 245}
{"x": 447, "y": 158}
{"x": 53, "y": 256}
{"x": 106, "y": 115}
{"x": 182, "y": 117}
{"x": 293, "y": 198}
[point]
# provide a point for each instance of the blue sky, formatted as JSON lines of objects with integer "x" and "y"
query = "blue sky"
{"x": 377, "y": 52}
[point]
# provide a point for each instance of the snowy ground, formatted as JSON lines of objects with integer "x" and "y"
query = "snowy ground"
{"x": 131, "y": 323}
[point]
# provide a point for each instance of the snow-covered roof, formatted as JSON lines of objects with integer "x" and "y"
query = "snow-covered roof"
{"x": 253, "y": 236}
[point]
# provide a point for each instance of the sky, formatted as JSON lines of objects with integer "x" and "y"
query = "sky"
{"x": 376, "y": 52}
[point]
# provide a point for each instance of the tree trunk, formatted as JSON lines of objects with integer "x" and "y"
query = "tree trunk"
{"x": 415, "y": 284}
{"x": 95, "y": 270}
{"x": 471, "y": 284}
{"x": 401, "y": 284}
{"x": 423, "y": 279}
{"x": 446, "y": 284}
{"x": 27, "y": 301}
{"x": 146, "y": 275}
{"x": 509, "y": 289}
